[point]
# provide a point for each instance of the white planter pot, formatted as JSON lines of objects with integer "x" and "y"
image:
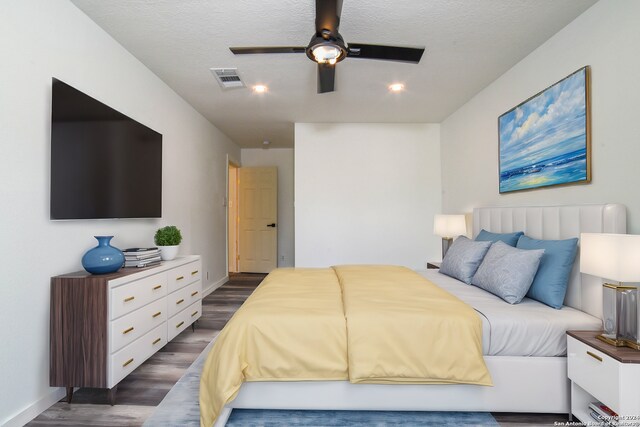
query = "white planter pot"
{"x": 167, "y": 253}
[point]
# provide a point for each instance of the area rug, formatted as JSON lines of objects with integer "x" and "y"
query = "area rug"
{"x": 271, "y": 418}
{"x": 180, "y": 408}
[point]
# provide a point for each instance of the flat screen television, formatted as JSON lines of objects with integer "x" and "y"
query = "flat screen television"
{"x": 103, "y": 163}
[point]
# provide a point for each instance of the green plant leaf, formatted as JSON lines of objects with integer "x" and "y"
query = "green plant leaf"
{"x": 168, "y": 236}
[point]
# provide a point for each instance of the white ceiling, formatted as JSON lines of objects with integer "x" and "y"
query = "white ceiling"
{"x": 469, "y": 43}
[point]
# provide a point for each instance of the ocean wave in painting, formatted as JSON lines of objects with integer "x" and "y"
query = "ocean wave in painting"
{"x": 570, "y": 167}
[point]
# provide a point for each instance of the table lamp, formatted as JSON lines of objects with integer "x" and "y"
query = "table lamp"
{"x": 615, "y": 257}
{"x": 448, "y": 227}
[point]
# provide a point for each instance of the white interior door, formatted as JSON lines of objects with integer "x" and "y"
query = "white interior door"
{"x": 258, "y": 245}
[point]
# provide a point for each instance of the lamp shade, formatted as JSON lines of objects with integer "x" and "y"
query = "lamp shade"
{"x": 611, "y": 256}
{"x": 449, "y": 225}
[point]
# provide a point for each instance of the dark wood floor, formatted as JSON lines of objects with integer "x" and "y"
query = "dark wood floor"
{"x": 141, "y": 391}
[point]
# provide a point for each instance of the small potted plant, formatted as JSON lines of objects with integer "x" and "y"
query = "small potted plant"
{"x": 168, "y": 240}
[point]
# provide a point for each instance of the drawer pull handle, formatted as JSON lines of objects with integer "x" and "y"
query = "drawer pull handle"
{"x": 595, "y": 356}
{"x": 193, "y": 294}
{"x": 179, "y": 324}
{"x": 157, "y": 340}
{"x": 126, "y": 331}
{"x": 155, "y": 288}
{"x": 179, "y": 277}
{"x": 180, "y": 301}
{"x": 194, "y": 313}
{"x": 128, "y": 362}
{"x": 156, "y": 314}
{"x": 127, "y": 299}
{"x": 193, "y": 273}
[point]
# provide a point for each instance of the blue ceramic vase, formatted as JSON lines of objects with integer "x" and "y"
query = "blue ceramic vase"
{"x": 104, "y": 258}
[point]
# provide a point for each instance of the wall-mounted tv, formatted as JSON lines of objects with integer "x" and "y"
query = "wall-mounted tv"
{"x": 103, "y": 163}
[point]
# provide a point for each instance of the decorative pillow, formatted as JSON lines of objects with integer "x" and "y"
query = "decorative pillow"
{"x": 507, "y": 271}
{"x": 550, "y": 284}
{"x": 463, "y": 258}
{"x": 510, "y": 239}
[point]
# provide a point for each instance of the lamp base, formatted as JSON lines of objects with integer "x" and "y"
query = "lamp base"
{"x": 619, "y": 342}
{"x": 611, "y": 341}
{"x": 446, "y": 243}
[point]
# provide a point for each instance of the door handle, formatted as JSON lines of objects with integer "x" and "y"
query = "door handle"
{"x": 273, "y": 224}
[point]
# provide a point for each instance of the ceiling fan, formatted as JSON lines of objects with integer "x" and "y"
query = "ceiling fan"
{"x": 327, "y": 47}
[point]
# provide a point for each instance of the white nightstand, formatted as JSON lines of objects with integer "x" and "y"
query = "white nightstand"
{"x": 599, "y": 371}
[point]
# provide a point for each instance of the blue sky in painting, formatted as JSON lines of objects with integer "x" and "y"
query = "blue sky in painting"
{"x": 546, "y": 126}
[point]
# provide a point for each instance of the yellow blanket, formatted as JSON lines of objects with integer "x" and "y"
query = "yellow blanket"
{"x": 290, "y": 329}
{"x": 404, "y": 329}
{"x": 375, "y": 324}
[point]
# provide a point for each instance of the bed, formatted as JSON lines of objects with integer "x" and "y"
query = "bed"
{"x": 528, "y": 375}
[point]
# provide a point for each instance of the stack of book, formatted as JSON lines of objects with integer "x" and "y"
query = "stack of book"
{"x": 603, "y": 414}
{"x": 141, "y": 257}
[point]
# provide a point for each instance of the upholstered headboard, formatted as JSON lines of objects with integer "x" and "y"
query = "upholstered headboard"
{"x": 560, "y": 222}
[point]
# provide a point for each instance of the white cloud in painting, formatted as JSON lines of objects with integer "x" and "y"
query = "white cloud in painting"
{"x": 544, "y": 127}
{"x": 519, "y": 113}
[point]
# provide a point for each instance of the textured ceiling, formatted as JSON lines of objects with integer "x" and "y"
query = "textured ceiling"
{"x": 469, "y": 43}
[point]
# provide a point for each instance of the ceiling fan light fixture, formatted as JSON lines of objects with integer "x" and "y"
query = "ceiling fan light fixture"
{"x": 325, "y": 49}
{"x": 396, "y": 87}
{"x": 326, "y": 53}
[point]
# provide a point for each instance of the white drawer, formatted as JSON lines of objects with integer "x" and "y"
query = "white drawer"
{"x": 128, "y": 328}
{"x": 129, "y": 358}
{"x": 126, "y": 298}
{"x": 182, "y": 320}
{"x": 179, "y": 300}
{"x": 182, "y": 276}
{"x": 594, "y": 371}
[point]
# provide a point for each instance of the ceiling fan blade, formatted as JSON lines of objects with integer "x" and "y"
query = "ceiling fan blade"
{"x": 385, "y": 53}
{"x": 267, "y": 49}
{"x": 326, "y": 78}
{"x": 328, "y": 16}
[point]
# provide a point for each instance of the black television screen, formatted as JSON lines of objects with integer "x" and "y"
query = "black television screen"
{"x": 103, "y": 163}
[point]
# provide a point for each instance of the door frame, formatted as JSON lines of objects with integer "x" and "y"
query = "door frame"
{"x": 231, "y": 163}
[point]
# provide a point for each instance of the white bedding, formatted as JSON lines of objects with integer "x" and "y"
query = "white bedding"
{"x": 526, "y": 329}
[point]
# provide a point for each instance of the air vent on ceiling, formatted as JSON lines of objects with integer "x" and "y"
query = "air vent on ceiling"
{"x": 228, "y": 78}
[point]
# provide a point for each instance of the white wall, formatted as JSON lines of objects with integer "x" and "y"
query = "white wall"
{"x": 282, "y": 158}
{"x": 40, "y": 40}
{"x": 366, "y": 193}
{"x": 606, "y": 37}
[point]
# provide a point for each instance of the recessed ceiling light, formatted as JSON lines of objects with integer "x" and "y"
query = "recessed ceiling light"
{"x": 396, "y": 87}
{"x": 260, "y": 88}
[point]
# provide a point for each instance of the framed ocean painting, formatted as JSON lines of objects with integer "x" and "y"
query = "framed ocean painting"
{"x": 546, "y": 140}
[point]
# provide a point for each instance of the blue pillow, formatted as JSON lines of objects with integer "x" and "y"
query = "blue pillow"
{"x": 463, "y": 258}
{"x": 510, "y": 239}
{"x": 550, "y": 284}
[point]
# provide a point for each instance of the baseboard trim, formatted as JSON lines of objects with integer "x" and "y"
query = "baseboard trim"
{"x": 35, "y": 409}
{"x": 215, "y": 285}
